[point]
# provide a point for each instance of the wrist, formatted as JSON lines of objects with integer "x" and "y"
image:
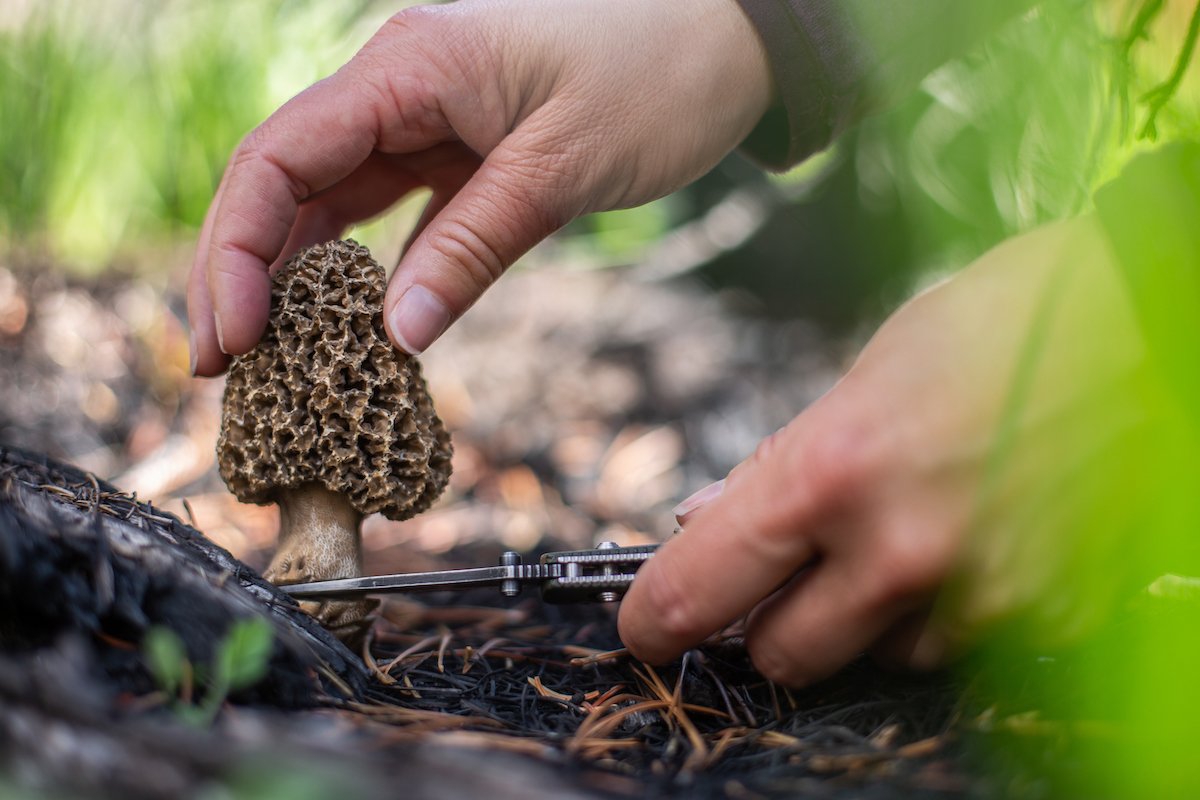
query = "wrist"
{"x": 750, "y": 83}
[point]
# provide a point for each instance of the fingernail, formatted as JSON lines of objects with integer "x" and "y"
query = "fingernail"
{"x": 192, "y": 351}
{"x": 418, "y": 319}
{"x": 220, "y": 335}
{"x": 700, "y": 498}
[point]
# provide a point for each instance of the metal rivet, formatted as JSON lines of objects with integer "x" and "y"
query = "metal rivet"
{"x": 607, "y": 597}
{"x": 510, "y": 587}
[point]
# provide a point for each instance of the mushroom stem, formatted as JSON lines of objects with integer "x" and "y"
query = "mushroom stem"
{"x": 318, "y": 537}
{"x": 319, "y": 540}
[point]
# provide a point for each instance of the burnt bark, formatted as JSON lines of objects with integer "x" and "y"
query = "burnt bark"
{"x": 77, "y": 556}
{"x": 86, "y": 571}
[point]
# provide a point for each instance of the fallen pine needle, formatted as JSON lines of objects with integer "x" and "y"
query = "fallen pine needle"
{"x": 596, "y": 657}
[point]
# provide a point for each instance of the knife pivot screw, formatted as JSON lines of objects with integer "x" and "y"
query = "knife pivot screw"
{"x": 510, "y": 587}
{"x": 607, "y": 597}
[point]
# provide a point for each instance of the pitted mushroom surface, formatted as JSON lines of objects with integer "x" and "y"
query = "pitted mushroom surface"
{"x": 326, "y": 418}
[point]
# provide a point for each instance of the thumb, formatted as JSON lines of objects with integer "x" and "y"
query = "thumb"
{"x": 518, "y": 196}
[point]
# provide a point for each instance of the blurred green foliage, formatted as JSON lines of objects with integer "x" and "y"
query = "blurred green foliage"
{"x": 1077, "y": 111}
{"x": 118, "y": 118}
{"x": 1141, "y": 671}
{"x": 989, "y": 146}
{"x": 1023, "y": 129}
{"x": 281, "y": 778}
{"x": 1116, "y": 708}
{"x": 196, "y": 692}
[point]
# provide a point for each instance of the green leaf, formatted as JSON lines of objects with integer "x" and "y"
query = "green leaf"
{"x": 243, "y": 656}
{"x": 166, "y": 657}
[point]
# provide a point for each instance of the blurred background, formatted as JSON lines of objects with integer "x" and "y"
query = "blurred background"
{"x": 632, "y": 359}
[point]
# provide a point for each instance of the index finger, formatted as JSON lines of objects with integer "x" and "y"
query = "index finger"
{"x": 310, "y": 143}
{"x": 735, "y": 551}
{"x": 385, "y": 98}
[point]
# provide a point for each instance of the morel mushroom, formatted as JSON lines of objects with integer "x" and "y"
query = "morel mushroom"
{"x": 326, "y": 418}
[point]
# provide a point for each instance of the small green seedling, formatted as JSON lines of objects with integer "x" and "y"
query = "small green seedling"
{"x": 240, "y": 661}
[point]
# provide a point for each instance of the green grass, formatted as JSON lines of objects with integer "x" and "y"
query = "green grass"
{"x": 118, "y": 123}
{"x": 118, "y": 119}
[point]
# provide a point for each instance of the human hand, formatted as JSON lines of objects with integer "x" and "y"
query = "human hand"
{"x": 519, "y": 116}
{"x": 939, "y": 488}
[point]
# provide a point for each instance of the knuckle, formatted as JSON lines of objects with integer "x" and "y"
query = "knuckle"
{"x": 773, "y": 530}
{"x": 837, "y": 461}
{"x": 399, "y": 36}
{"x": 398, "y": 71}
{"x": 767, "y": 449}
{"x": 537, "y": 189}
{"x": 909, "y": 566}
{"x": 405, "y": 103}
{"x": 458, "y": 241}
{"x": 763, "y": 457}
{"x": 409, "y": 21}
{"x": 825, "y": 455}
{"x": 499, "y": 225}
{"x": 421, "y": 28}
{"x": 256, "y": 154}
{"x": 248, "y": 151}
{"x": 436, "y": 37}
{"x": 254, "y": 147}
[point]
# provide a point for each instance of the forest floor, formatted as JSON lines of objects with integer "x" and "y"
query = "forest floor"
{"x": 583, "y": 405}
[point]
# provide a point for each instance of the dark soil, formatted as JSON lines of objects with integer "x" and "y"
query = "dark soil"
{"x": 86, "y": 571}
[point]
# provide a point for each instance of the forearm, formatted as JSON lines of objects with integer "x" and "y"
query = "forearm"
{"x": 833, "y": 61}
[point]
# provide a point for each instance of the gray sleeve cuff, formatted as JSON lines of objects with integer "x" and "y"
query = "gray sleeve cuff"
{"x": 818, "y": 72}
{"x": 833, "y": 61}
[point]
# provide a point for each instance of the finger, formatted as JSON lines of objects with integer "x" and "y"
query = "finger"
{"x": 819, "y": 623}
{"x": 736, "y": 550}
{"x": 312, "y": 142}
{"x": 207, "y": 360}
{"x": 519, "y": 195}
{"x": 875, "y": 575}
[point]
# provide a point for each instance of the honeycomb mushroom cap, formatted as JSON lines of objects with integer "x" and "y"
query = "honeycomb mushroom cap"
{"x": 326, "y": 399}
